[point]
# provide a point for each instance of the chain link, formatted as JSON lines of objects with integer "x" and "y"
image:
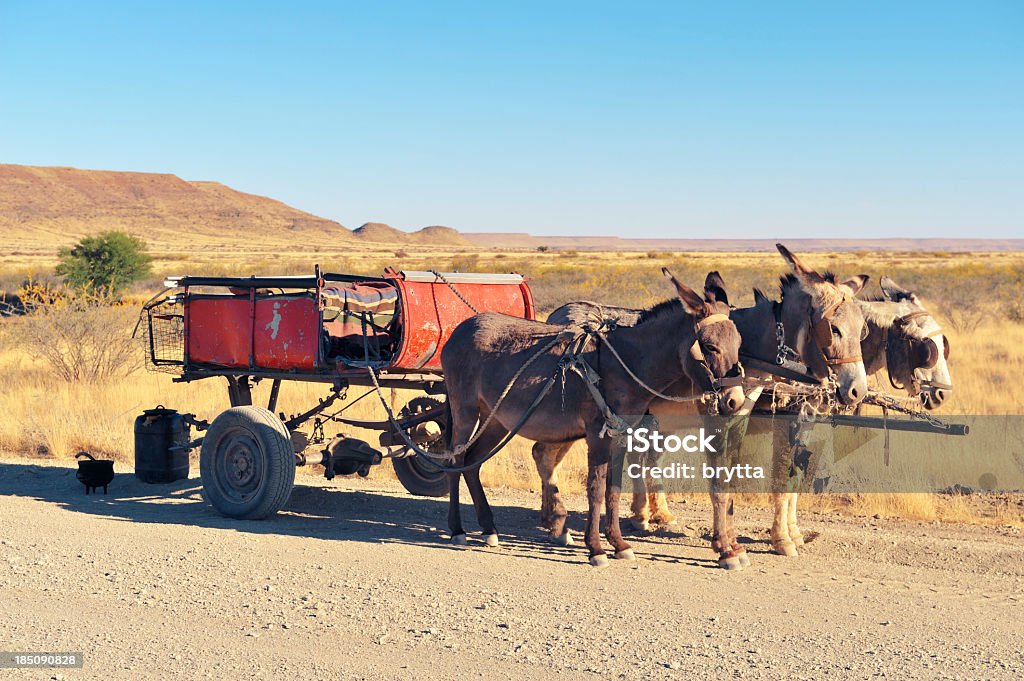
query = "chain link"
{"x": 785, "y": 352}
{"x": 455, "y": 291}
{"x": 889, "y": 402}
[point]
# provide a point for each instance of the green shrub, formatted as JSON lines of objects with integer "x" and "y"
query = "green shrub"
{"x": 109, "y": 261}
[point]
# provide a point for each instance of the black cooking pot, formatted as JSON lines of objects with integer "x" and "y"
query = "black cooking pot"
{"x": 94, "y": 473}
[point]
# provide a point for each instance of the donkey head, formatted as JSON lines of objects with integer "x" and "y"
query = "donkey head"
{"x": 714, "y": 351}
{"x": 917, "y": 352}
{"x": 824, "y": 327}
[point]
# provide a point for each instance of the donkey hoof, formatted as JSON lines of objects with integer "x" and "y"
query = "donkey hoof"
{"x": 599, "y": 561}
{"x": 640, "y": 525}
{"x": 744, "y": 559}
{"x": 798, "y": 539}
{"x": 565, "y": 539}
{"x": 784, "y": 548}
{"x": 459, "y": 539}
{"x": 491, "y": 539}
{"x": 625, "y": 554}
{"x": 728, "y": 561}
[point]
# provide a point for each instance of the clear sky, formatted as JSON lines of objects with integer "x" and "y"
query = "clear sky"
{"x": 742, "y": 119}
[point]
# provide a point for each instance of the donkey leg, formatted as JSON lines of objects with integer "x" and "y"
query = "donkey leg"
{"x": 794, "y": 530}
{"x": 782, "y": 543}
{"x": 463, "y": 422}
{"x": 639, "y": 509}
{"x": 613, "y": 526}
{"x": 730, "y": 523}
{"x": 718, "y": 500}
{"x": 548, "y": 481}
{"x": 658, "y": 503}
{"x": 596, "y": 482}
{"x": 487, "y": 441}
{"x": 639, "y": 515}
{"x": 782, "y": 463}
{"x": 551, "y": 456}
{"x": 721, "y": 540}
{"x": 454, "y": 513}
{"x": 484, "y": 514}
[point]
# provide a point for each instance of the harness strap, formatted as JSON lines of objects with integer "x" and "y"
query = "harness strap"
{"x": 845, "y": 360}
{"x": 712, "y": 319}
{"x": 613, "y": 423}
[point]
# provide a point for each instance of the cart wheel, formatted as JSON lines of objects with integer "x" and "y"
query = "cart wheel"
{"x": 417, "y": 477}
{"x": 247, "y": 463}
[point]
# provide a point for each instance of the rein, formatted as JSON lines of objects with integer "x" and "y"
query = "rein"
{"x": 571, "y": 360}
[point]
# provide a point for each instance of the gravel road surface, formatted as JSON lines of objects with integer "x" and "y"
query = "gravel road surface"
{"x": 356, "y": 580}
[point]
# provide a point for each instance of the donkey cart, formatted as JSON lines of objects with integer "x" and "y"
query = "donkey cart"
{"x": 341, "y": 330}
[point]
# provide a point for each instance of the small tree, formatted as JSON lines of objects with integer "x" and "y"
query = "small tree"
{"x": 110, "y": 261}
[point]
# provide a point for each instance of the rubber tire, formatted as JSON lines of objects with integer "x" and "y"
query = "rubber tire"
{"x": 420, "y": 479}
{"x": 275, "y": 454}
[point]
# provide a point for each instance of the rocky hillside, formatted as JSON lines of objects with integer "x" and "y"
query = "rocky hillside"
{"x": 50, "y": 207}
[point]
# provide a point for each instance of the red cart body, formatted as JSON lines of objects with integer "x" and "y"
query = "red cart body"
{"x": 276, "y": 325}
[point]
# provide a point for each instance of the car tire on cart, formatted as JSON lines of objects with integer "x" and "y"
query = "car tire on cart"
{"x": 417, "y": 476}
{"x": 247, "y": 463}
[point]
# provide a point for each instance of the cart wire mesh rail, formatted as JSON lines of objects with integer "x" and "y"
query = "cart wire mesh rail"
{"x": 163, "y": 333}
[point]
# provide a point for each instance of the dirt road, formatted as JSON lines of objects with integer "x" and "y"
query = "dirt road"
{"x": 355, "y": 580}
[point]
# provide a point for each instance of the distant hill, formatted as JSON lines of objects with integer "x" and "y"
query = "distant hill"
{"x": 437, "y": 235}
{"x": 50, "y": 207}
{"x": 56, "y": 205}
{"x": 379, "y": 232}
{"x": 44, "y": 208}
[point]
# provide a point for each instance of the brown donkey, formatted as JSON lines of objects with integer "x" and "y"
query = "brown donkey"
{"x": 491, "y": 355}
{"x": 819, "y": 326}
{"x": 905, "y": 340}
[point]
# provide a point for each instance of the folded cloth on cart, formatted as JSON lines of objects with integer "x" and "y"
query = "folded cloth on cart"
{"x": 359, "y": 308}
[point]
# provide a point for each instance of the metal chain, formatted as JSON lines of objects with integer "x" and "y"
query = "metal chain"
{"x": 785, "y": 352}
{"x": 455, "y": 291}
{"x": 889, "y": 402}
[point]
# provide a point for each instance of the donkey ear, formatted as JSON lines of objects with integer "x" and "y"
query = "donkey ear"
{"x": 760, "y": 297}
{"x": 714, "y": 289}
{"x": 692, "y": 303}
{"x": 802, "y": 272}
{"x": 857, "y": 283}
{"x": 891, "y": 290}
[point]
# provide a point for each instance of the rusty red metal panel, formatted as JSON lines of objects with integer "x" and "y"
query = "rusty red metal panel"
{"x": 287, "y": 333}
{"x": 279, "y": 332}
{"x": 219, "y": 330}
{"x": 430, "y": 311}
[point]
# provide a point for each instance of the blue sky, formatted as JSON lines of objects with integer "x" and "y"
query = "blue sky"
{"x": 746, "y": 119}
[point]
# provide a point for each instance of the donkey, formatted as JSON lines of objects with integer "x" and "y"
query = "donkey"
{"x": 820, "y": 327}
{"x": 905, "y": 340}
{"x": 687, "y": 339}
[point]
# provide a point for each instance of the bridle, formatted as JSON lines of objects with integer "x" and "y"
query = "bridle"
{"x": 821, "y": 333}
{"x": 697, "y": 353}
{"x": 898, "y": 333}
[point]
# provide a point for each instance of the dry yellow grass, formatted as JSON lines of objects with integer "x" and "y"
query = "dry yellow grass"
{"x": 44, "y": 416}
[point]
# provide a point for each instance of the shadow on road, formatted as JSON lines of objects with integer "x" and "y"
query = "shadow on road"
{"x": 321, "y": 511}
